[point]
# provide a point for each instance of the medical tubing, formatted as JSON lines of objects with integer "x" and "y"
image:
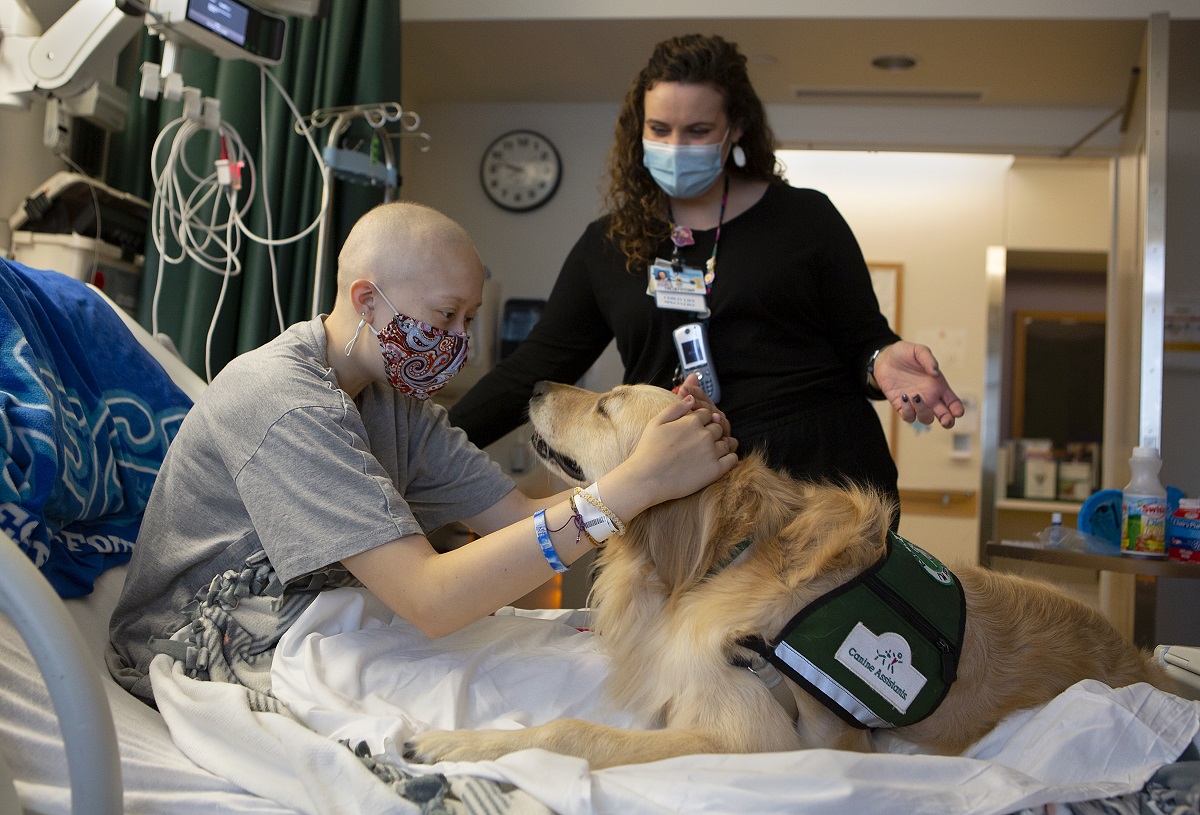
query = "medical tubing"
{"x": 306, "y": 131}
{"x": 181, "y": 210}
{"x": 213, "y": 243}
{"x": 543, "y": 536}
{"x": 262, "y": 155}
{"x": 212, "y": 325}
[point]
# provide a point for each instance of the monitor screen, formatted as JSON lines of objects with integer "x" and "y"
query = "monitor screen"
{"x": 225, "y": 18}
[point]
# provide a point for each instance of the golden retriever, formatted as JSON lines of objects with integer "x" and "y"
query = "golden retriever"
{"x": 673, "y": 614}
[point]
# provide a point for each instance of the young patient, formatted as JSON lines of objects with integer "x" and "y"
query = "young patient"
{"x": 320, "y": 454}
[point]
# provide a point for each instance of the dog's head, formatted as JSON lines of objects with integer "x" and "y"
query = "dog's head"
{"x": 582, "y": 435}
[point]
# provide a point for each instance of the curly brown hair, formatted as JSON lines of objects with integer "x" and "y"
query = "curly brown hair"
{"x": 635, "y": 201}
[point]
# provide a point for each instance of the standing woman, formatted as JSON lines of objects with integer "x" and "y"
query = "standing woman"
{"x": 796, "y": 341}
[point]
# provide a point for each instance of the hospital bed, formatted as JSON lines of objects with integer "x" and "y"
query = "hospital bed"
{"x": 72, "y": 740}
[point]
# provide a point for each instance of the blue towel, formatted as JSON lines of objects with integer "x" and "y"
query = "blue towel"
{"x": 86, "y": 415}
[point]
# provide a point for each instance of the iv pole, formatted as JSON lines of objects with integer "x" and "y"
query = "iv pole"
{"x": 354, "y": 166}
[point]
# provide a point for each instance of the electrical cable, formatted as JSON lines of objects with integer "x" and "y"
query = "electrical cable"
{"x": 183, "y": 197}
{"x": 262, "y": 154}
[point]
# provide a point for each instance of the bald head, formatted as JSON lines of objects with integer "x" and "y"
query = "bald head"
{"x": 393, "y": 243}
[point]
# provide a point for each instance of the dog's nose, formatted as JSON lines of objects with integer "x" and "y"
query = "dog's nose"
{"x": 539, "y": 390}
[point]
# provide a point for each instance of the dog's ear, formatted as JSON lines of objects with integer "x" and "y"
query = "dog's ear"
{"x": 839, "y": 529}
{"x": 687, "y": 537}
{"x": 672, "y": 537}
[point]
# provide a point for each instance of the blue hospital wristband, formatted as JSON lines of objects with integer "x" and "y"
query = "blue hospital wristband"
{"x": 543, "y": 536}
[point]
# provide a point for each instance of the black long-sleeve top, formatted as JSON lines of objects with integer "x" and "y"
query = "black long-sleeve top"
{"x": 794, "y": 320}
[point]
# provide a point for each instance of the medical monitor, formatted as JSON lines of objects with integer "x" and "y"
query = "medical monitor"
{"x": 229, "y": 28}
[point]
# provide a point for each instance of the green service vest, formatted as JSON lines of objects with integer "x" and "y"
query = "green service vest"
{"x": 882, "y": 650}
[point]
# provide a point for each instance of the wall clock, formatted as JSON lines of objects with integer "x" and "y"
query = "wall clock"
{"x": 520, "y": 170}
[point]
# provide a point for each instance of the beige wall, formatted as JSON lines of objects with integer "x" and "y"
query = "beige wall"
{"x": 25, "y": 164}
{"x": 1062, "y": 205}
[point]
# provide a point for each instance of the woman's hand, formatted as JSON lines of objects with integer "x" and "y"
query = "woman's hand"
{"x": 910, "y": 379}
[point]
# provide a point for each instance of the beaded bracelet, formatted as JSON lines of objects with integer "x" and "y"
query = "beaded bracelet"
{"x": 588, "y": 507}
{"x": 543, "y": 536}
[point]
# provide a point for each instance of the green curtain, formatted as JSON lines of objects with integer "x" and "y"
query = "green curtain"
{"x": 349, "y": 56}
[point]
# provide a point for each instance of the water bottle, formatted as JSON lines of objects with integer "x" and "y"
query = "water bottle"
{"x": 1057, "y": 536}
{"x": 1144, "y": 507}
{"x": 1054, "y": 537}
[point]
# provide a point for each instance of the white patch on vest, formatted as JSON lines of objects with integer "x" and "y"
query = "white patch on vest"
{"x": 885, "y": 663}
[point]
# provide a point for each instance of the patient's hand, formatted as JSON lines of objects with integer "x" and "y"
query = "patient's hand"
{"x": 691, "y": 385}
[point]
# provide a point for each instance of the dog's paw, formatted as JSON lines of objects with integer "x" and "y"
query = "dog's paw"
{"x": 433, "y": 746}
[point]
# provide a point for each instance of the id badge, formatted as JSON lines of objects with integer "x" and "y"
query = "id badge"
{"x": 681, "y": 289}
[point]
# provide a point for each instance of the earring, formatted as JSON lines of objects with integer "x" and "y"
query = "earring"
{"x": 739, "y": 156}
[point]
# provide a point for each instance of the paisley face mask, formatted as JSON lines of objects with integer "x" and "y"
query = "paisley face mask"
{"x": 418, "y": 358}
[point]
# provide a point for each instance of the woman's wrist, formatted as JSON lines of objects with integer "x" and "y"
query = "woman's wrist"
{"x": 873, "y": 388}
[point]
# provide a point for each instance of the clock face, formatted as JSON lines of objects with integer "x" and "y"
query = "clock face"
{"x": 520, "y": 170}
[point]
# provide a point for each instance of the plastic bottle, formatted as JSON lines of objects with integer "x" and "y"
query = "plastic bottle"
{"x": 1144, "y": 507}
{"x": 1057, "y": 536}
{"x": 1054, "y": 536}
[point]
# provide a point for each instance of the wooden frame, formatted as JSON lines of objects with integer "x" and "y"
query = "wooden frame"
{"x": 1021, "y": 321}
{"x": 887, "y": 280}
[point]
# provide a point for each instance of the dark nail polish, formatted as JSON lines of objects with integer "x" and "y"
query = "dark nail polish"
{"x": 904, "y": 397}
{"x": 917, "y": 398}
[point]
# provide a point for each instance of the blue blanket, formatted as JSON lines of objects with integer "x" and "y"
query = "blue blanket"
{"x": 86, "y": 415}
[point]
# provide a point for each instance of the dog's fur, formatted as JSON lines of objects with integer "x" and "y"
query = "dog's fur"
{"x": 672, "y": 624}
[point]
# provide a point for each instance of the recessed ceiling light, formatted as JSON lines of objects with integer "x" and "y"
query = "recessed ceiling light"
{"x": 893, "y": 62}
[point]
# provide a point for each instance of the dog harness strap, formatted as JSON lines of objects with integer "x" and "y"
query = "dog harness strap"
{"x": 881, "y": 650}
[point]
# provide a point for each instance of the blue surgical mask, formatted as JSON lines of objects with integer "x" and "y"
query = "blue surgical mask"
{"x": 684, "y": 170}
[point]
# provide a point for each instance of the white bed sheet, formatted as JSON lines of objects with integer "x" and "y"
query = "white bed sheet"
{"x": 350, "y": 670}
{"x": 158, "y": 779}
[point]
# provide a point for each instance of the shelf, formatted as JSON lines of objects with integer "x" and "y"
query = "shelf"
{"x": 1128, "y": 564}
{"x": 1036, "y": 505}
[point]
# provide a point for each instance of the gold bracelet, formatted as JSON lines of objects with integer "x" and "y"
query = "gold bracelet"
{"x": 618, "y": 525}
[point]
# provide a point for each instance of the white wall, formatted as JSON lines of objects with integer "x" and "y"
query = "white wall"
{"x": 26, "y": 163}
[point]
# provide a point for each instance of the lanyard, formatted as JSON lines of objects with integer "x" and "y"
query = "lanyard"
{"x": 682, "y": 236}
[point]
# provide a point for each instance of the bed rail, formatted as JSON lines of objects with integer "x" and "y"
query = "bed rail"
{"x": 84, "y": 717}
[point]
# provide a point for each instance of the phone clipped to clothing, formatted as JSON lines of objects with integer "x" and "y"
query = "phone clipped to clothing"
{"x": 691, "y": 345}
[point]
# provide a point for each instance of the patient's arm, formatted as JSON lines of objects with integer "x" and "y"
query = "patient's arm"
{"x": 681, "y": 451}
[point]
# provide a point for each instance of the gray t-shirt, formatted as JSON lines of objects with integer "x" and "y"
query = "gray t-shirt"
{"x": 275, "y": 456}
